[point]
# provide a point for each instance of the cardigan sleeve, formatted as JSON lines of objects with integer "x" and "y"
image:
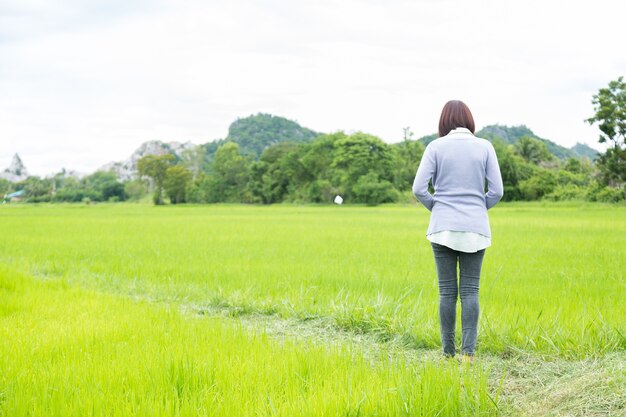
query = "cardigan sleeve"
{"x": 425, "y": 172}
{"x": 495, "y": 188}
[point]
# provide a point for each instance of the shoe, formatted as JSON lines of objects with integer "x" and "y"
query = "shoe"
{"x": 466, "y": 358}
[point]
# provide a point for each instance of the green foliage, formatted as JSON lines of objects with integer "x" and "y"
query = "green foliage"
{"x": 37, "y": 190}
{"x": 610, "y": 112}
{"x": 541, "y": 183}
{"x": 314, "y": 170}
{"x": 68, "y": 189}
{"x": 371, "y": 190}
{"x": 606, "y": 194}
{"x": 364, "y": 169}
{"x": 230, "y": 175}
{"x": 5, "y": 187}
{"x": 321, "y": 191}
{"x": 155, "y": 167}
{"x": 612, "y": 166}
{"x": 513, "y": 169}
{"x": 275, "y": 172}
{"x": 135, "y": 190}
{"x": 177, "y": 179}
{"x": 358, "y": 155}
{"x": 407, "y": 156}
{"x": 318, "y": 156}
{"x": 99, "y": 186}
{"x": 532, "y": 150}
{"x": 567, "y": 192}
{"x": 610, "y": 115}
{"x": 103, "y": 186}
{"x": 578, "y": 166}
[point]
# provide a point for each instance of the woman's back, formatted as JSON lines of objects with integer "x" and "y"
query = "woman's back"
{"x": 460, "y": 165}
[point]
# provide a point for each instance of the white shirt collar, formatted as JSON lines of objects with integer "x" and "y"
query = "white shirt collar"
{"x": 459, "y": 130}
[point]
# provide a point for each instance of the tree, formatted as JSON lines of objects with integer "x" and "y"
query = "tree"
{"x": 177, "y": 179}
{"x": 317, "y": 157}
{"x": 408, "y": 155}
{"x": 359, "y": 154}
{"x": 275, "y": 171}
{"x": 103, "y": 186}
{"x": 541, "y": 183}
{"x": 532, "y": 150}
{"x": 155, "y": 167}
{"x": 229, "y": 179}
{"x": 610, "y": 114}
{"x": 135, "y": 190}
{"x": 5, "y": 186}
{"x": 36, "y": 189}
{"x": 369, "y": 189}
{"x": 513, "y": 168}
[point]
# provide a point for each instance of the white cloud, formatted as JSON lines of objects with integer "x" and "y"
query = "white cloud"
{"x": 83, "y": 83}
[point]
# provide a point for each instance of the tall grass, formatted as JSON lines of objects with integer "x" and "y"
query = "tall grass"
{"x": 66, "y": 351}
{"x": 553, "y": 282}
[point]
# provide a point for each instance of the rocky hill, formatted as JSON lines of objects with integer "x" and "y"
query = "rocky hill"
{"x": 256, "y": 132}
{"x": 253, "y": 134}
{"x": 16, "y": 171}
{"x": 127, "y": 169}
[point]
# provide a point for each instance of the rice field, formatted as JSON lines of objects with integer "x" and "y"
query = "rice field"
{"x": 303, "y": 310}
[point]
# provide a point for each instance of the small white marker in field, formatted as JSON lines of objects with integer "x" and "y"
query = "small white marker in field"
{"x": 338, "y": 199}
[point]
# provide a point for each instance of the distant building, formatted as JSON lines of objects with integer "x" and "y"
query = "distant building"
{"x": 13, "y": 197}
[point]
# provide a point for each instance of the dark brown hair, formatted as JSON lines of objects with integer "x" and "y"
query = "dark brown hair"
{"x": 455, "y": 114}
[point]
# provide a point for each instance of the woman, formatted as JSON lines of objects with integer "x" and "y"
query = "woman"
{"x": 459, "y": 165}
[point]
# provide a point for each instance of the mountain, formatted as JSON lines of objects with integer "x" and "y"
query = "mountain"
{"x": 584, "y": 151}
{"x": 127, "y": 169}
{"x": 255, "y": 133}
{"x": 16, "y": 172}
{"x": 511, "y": 134}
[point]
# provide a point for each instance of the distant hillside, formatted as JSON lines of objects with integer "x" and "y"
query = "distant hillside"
{"x": 583, "y": 150}
{"x": 511, "y": 134}
{"x": 126, "y": 170}
{"x": 425, "y": 140}
{"x": 255, "y": 133}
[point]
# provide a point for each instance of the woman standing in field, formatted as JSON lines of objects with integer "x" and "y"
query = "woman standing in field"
{"x": 459, "y": 165}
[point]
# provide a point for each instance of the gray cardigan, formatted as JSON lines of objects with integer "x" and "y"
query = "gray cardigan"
{"x": 458, "y": 165}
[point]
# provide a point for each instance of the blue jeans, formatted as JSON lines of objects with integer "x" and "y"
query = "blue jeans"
{"x": 449, "y": 288}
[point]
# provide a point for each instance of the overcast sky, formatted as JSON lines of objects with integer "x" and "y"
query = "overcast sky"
{"x": 85, "y": 82}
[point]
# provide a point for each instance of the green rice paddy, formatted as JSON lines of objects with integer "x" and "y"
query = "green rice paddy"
{"x": 140, "y": 310}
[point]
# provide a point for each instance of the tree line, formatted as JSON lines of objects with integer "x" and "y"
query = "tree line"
{"x": 360, "y": 167}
